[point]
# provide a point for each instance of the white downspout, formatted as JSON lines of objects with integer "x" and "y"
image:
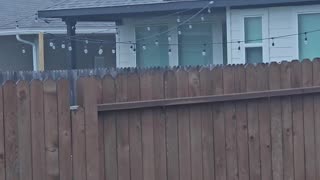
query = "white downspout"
{"x": 34, "y": 51}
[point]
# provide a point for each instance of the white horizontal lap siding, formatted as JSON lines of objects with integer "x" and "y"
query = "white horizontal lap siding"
{"x": 277, "y": 21}
{"x": 126, "y": 33}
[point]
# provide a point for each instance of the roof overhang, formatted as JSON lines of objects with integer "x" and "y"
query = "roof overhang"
{"x": 116, "y": 13}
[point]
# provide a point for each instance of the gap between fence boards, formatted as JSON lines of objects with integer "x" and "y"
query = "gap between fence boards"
{"x": 207, "y": 99}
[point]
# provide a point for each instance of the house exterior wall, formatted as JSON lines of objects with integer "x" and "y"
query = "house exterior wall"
{"x": 276, "y": 21}
{"x": 126, "y": 33}
{"x": 12, "y": 58}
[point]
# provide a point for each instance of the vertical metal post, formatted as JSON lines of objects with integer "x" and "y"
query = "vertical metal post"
{"x": 72, "y": 58}
{"x": 71, "y": 32}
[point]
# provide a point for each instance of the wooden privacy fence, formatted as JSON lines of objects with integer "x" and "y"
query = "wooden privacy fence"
{"x": 222, "y": 123}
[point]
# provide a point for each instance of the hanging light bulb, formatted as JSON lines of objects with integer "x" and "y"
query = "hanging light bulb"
{"x": 144, "y": 47}
{"x": 149, "y": 28}
{"x": 51, "y": 44}
{"x": 100, "y": 52}
{"x": 305, "y": 39}
{"x": 204, "y": 51}
{"x": 178, "y": 19}
{"x": 202, "y": 18}
{"x": 169, "y": 38}
{"x": 239, "y": 48}
{"x": 85, "y": 50}
{"x": 63, "y": 45}
{"x": 190, "y": 26}
{"x": 156, "y": 43}
{"x": 70, "y": 47}
{"x": 179, "y": 32}
{"x": 170, "y": 52}
{"x": 23, "y": 50}
{"x": 113, "y": 50}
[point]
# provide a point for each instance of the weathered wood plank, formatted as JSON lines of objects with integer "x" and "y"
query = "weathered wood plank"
{"x": 172, "y": 128}
{"x": 276, "y": 123}
{"x": 2, "y": 139}
{"x": 122, "y": 126}
{"x": 288, "y": 158}
{"x": 11, "y": 131}
{"x": 147, "y": 128}
{"x": 264, "y": 123}
{"x": 195, "y": 127}
{"x": 207, "y": 126}
{"x": 159, "y": 127}
{"x": 230, "y": 124}
{"x": 110, "y": 137}
{"x": 220, "y": 166}
{"x": 38, "y": 131}
{"x": 184, "y": 127}
{"x": 297, "y": 120}
{"x": 24, "y": 128}
{"x": 65, "y": 137}
{"x": 242, "y": 125}
{"x": 87, "y": 97}
{"x": 51, "y": 129}
{"x": 78, "y": 144}
{"x": 253, "y": 125}
{"x": 308, "y": 120}
{"x": 136, "y": 167}
{"x": 316, "y": 82}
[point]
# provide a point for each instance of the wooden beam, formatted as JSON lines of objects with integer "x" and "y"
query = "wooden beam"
{"x": 207, "y": 99}
{"x": 41, "y": 51}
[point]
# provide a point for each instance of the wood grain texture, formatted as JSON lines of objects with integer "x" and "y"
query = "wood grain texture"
{"x": 38, "y": 131}
{"x": 78, "y": 144}
{"x": 51, "y": 130}
{"x": 2, "y": 139}
{"x": 64, "y": 127}
{"x": 230, "y": 124}
{"x": 309, "y": 124}
{"x": 297, "y": 120}
{"x": 288, "y": 156}
{"x": 184, "y": 127}
{"x": 24, "y": 128}
{"x": 11, "y": 131}
{"x": 264, "y": 123}
{"x": 170, "y": 80}
{"x": 253, "y": 125}
{"x": 110, "y": 137}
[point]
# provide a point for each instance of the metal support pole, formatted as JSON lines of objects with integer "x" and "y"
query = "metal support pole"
{"x": 71, "y": 32}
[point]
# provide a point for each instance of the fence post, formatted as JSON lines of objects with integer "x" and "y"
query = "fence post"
{"x": 87, "y": 98}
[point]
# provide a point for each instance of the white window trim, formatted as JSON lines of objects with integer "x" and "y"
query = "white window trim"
{"x": 265, "y": 44}
{"x": 296, "y": 25}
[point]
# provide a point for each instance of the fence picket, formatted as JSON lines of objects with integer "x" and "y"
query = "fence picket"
{"x": 24, "y": 128}
{"x": 110, "y": 137}
{"x": 297, "y": 120}
{"x": 64, "y": 123}
{"x": 11, "y": 133}
{"x": 242, "y": 125}
{"x": 78, "y": 144}
{"x": 37, "y": 126}
{"x": 2, "y": 138}
{"x": 308, "y": 116}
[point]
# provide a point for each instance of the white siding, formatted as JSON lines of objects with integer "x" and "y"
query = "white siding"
{"x": 277, "y": 21}
{"x": 126, "y": 32}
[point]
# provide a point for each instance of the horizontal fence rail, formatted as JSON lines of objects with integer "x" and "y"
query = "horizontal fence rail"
{"x": 207, "y": 99}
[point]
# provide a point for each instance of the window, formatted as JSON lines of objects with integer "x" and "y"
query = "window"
{"x": 195, "y": 45}
{"x": 253, "y": 39}
{"x": 149, "y": 53}
{"x": 309, "y": 48}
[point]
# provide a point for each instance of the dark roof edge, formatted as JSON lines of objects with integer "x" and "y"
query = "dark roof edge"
{"x": 168, "y": 6}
